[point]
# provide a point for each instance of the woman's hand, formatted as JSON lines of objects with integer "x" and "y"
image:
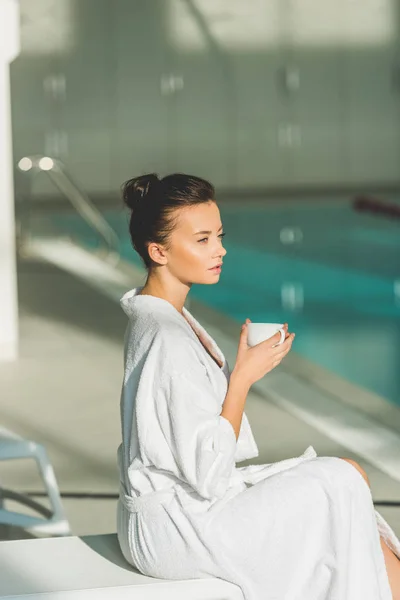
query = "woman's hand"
{"x": 252, "y": 363}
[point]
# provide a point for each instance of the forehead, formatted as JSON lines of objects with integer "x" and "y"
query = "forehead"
{"x": 204, "y": 216}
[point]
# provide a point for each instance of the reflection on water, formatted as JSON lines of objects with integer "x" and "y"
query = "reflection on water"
{"x": 337, "y": 289}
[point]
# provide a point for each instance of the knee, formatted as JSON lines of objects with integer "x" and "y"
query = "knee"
{"x": 359, "y": 469}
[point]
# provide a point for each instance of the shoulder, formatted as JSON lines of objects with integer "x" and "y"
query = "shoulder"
{"x": 157, "y": 326}
{"x": 161, "y": 337}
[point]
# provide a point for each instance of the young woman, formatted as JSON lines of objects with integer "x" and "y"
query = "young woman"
{"x": 302, "y": 528}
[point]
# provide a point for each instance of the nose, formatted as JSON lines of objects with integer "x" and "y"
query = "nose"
{"x": 220, "y": 251}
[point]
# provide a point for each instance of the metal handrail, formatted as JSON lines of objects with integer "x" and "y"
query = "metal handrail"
{"x": 62, "y": 179}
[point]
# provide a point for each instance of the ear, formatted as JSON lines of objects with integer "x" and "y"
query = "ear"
{"x": 157, "y": 253}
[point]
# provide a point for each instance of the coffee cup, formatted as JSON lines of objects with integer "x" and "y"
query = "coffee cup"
{"x": 259, "y": 332}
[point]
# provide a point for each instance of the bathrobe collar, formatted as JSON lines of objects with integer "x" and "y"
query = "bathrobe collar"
{"x": 131, "y": 302}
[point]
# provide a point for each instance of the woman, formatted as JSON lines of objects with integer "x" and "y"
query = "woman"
{"x": 303, "y": 528}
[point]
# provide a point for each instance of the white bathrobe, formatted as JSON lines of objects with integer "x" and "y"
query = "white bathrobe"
{"x": 303, "y": 528}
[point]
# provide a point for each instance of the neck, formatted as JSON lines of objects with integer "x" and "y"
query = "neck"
{"x": 175, "y": 292}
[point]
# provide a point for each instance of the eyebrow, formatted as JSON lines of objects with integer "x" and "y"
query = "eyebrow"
{"x": 197, "y": 232}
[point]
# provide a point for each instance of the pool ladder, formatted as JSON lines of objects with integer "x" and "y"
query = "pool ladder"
{"x": 58, "y": 173}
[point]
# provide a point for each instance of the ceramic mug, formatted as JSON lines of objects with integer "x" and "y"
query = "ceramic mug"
{"x": 259, "y": 332}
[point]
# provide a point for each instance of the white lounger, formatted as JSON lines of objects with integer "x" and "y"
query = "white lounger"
{"x": 92, "y": 567}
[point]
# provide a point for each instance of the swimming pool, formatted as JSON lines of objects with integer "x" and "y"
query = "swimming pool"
{"x": 332, "y": 273}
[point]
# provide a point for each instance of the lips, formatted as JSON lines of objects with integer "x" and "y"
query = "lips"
{"x": 216, "y": 266}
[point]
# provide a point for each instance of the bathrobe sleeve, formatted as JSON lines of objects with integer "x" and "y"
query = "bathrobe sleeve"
{"x": 203, "y": 442}
{"x": 185, "y": 434}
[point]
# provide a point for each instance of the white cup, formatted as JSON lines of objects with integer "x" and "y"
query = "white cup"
{"x": 259, "y": 332}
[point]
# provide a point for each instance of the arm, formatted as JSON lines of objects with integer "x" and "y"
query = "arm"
{"x": 179, "y": 426}
{"x": 202, "y": 442}
{"x": 235, "y": 400}
{"x": 251, "y": 364}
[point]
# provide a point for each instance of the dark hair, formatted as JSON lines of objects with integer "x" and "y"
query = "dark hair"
{"x": 152, "y": 200}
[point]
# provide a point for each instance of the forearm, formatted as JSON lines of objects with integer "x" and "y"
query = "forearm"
{"x": 235, "y": 400}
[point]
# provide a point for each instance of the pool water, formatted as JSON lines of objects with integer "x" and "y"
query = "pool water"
{"x": 329, "y": 271}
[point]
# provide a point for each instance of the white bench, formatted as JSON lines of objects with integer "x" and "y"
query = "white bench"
{"x": 92, "y": 568}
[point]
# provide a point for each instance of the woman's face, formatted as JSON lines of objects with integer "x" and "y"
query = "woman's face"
{"x": 196, "y": 244}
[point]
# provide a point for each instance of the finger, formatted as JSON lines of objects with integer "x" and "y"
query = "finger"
{"x": 288, "y": 349}
{"x": 278, "y": 359}
{"x": 283, "y": 349}
{"x": 288, "y": 339}
{"x": 285, "y": 344}
{"x": 272, "y": 341}
{"x": 243, "y": 336}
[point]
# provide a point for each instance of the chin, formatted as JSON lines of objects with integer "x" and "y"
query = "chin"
{"x": 213, "y": 279}
{"x": 208, "y": 279}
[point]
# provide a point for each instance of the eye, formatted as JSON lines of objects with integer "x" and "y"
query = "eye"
{"x": 221, "y": 235}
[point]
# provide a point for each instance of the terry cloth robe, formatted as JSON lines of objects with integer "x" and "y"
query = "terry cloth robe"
{"x": 303, "y": 528}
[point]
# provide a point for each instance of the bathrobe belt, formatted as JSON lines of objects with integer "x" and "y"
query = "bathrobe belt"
{"x": 145, "y": 501}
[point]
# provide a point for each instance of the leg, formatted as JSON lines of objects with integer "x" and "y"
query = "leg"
{"x": 393, "y": 570}
{"x": 391, "y": 560}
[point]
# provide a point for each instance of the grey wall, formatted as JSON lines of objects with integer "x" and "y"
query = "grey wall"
{"x": 127, "y": 95}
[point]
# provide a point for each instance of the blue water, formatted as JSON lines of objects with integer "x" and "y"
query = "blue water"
{"x": 331, "y": 274}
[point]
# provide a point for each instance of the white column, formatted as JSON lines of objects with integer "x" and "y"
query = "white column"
{"x": 9, "y": 49}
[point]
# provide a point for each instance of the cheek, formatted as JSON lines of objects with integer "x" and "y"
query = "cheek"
{"x": 193, "y": 254}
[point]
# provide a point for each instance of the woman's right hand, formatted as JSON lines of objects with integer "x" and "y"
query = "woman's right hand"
{"x": 252, "y": 363}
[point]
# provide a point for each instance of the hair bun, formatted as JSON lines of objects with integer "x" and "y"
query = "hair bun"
{"x": 135, "y": 190}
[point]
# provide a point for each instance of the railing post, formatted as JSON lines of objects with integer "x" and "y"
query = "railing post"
{"x": 9, "y": 49}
